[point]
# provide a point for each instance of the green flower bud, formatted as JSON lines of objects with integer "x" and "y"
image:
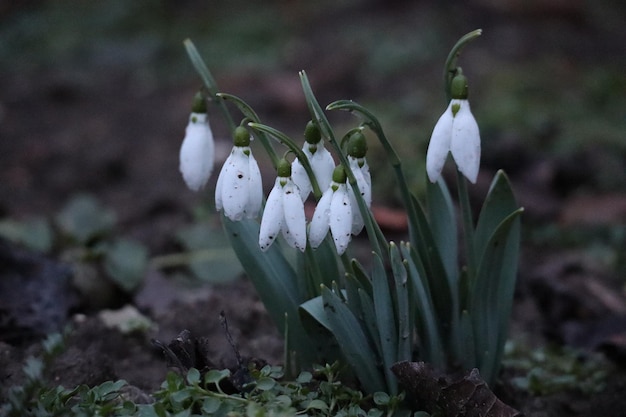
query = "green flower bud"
{"x": 312, "y": 133}
{"x": 357, "y": 145}
{"x": 241, "y": 136}
{"x": 339, "y": 175}
{"x": 199, "y": 103}
{"x": 284, "y": 168}
{"x": 458, "y": 86}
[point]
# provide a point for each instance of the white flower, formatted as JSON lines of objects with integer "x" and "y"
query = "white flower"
{"x": 284, "y": 213}
{"x": 322, "y": 165}
{"x": 361, "y": 171}
{"x": 456, "y": 131}
{"x": 197, "y": 152}
{"x": 333, "y": 212}
{"x": 239, "y": 188}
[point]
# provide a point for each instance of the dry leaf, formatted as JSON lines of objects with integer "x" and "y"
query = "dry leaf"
{"x": 434, "y": 391}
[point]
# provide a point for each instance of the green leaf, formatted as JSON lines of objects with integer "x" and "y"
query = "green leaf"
{"x": 492, "y": 295}
{"x": 431, "y": 268}
{"x": 214, "y": 376}
{"x": 381, "y": 398}
{"x": 193, "y": 376}
{"x": 210, "y": 405}
{"x": 353, "y": 342}
{"x": 318, "y": 327}
{"x": 33, "y": 369}
{"x": 125, "y": 262}
{"x": 35, "y": 233}
{"x": 429, "y": 327}
{"x": 385, "y": 321}
{"x": 499, "y": 204}
{"x": 211, "y": 257}
{"x": 274, "y": 279}
{"x": 317, "y": 405}
{"x": 442, "y": 220}
{"x": 265, "y": 384}
{"x": 404, "y": 321}
{"x": 84, "y": 218}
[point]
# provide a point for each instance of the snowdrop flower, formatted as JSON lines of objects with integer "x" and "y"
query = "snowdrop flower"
{"x": 284, "y": 212}
{"x": 239, "y": 188}
{"x": 361, "y": 171}
{"x": 457, "y": 132}
{"x": 198, "y": 149}
{"x": 320, "y": 159}
{"x": 333, "y": 212}
{"x": 357, "y": 148}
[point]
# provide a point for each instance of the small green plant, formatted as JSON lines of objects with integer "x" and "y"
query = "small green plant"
{"x": 548, "y": 370}
{"x": 82, "y": 232}
{"x": 411, "y": 301}
{"x": 316, "y": 393}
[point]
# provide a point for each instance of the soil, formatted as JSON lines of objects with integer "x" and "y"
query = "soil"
{"x": 64, "y": 132}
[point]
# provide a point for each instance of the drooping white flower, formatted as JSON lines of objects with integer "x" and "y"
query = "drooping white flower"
{"x": 361, "y": 171}
{"x": 457, "y": 132}
{"x": 284, "y": 213}
{"x": 334, "y": 212}
{"x": 197, "y": 151}
{"x": 322, "y": 164}
{"x": 239, "y": 188}
{"x": 321, "y": 161}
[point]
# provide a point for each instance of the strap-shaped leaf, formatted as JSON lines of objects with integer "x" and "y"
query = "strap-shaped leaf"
{"x": 404, "y": 320}
{"x": 385, "y": 319}
{"x": 353, "y": 342}
{"x": 432, "y": 269}
{"x": 274, "y": 280}
{"x": 499, "y": 204}
{"x": 492, "y": 293}
{"x": 428, "y": 325}
{"x": 317, "y": 325}
{"x": 442, "y": 220}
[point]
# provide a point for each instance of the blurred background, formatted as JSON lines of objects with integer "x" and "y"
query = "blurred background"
{"x": 95, "y": 96}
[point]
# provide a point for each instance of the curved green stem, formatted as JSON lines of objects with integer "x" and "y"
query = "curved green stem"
{"x": 286, "y": 140}
{"x": 450, "y": 66}
{"x": 250, "y": 114}
{"x": 372, "y": 122}
{"x": 208, "y": 80}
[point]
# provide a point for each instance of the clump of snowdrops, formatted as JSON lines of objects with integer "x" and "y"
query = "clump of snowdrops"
{"x": 413, "y": 300}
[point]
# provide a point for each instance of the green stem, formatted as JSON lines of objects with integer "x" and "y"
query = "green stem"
{"x": 286, "y": 140}
{"x": 468, "y": 227}
{"x": 249, "y": 113}
{"x": 208, "y": 80}
{"x": 450, "y": 66}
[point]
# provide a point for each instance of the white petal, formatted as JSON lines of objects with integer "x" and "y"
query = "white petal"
{"x": 219, "y": 184}
{"x": 365, "y": 169}
{"x": 323, "y": 165}
{"x": 301, "y": 179}
{"x": 197, "y": 152}
{"x": 320, "y": 221}
{"x": 365, "y": 191}
{"x": 294, "y": 226}
{"x": 273, "y": 214}
{"x": 439, "y": 145}
{"x": 465, "y": 146}
{"x": 340, "y": 219}
{"x": 255, "y": 188}
{"x": 235, "y": 184}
